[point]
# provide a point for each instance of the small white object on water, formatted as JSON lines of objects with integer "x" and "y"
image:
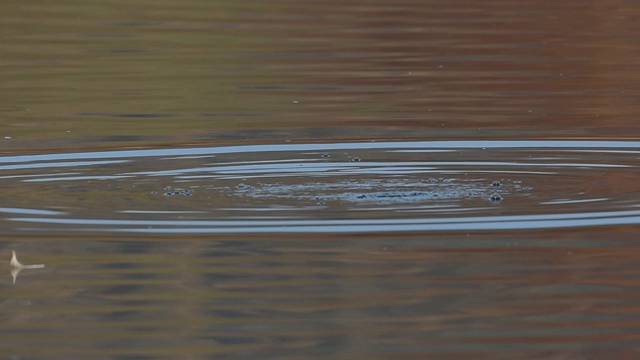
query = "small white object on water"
{"x": 17, "y": 266}
{"x": 7, "y": 137}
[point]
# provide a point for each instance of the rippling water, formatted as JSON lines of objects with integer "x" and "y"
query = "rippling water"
{"x": 432, "y": 265}
{"x": 334, "y": 187}
{"x": 320, "y": 180}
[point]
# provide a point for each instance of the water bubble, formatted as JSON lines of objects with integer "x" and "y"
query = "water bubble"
{"x": 496, "y": 184}
{"x": 243, "y": 186}
{"x": 356, "y": 159}
{"x": 325, "y": 155}
{"x": 178, "y": 192}
{"x": 495, "y": 197}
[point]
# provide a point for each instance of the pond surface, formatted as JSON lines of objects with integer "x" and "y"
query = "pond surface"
{"x": 320, "y": 180}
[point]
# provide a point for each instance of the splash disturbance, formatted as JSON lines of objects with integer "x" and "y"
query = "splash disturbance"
{"x": 326, "y": 188}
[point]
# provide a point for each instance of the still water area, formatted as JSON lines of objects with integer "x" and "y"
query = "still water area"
{"x": 320, "y": 180}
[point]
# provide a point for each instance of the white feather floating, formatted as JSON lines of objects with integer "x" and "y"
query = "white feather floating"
{"x": 17, "y": 266}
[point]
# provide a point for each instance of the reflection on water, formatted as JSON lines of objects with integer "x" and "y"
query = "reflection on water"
{"x": 289, "y": 250}
{"x": 319, "y": 188}
{"x": 320, "y": 179}
{"x": 316, "y": 296}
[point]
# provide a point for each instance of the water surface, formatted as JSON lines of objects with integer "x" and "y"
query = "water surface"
{"x": 320, "y": 180}
{"x": 327, "y": 187}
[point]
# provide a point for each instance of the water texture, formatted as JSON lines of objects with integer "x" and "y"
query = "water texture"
{"x": 313, "y": 188}
{"x": 320, "y": 180}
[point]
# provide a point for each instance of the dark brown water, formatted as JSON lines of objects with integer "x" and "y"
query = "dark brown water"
{"x": 320, "y": 180}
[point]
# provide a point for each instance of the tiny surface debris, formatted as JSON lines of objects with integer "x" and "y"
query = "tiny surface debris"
{"x": 17, "y": 266}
